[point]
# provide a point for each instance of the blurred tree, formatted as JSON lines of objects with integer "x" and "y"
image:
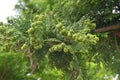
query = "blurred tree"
{"x": 58, "y": 39}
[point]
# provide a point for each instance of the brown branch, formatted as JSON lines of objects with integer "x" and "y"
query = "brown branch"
{"x": 108, "y": 28}
{"x": 33, "y": 63}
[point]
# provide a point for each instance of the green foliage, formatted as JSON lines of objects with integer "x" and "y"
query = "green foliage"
{"x": 58, "y": 34}
{"x": 66, "y": 42}
{"x": 52, "y": 74}
{"x": 12, "y": 66}
{"x": 99, "y": 71}
{"x": 10, "y": 37}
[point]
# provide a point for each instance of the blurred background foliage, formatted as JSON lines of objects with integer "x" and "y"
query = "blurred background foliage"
{"x": 55, "y": 40}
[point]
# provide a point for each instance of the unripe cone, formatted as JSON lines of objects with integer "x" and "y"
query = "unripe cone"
{"x": 31, "y": 30}
{"x": 65, "y": 50}
{"x": 24, "y": 46}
